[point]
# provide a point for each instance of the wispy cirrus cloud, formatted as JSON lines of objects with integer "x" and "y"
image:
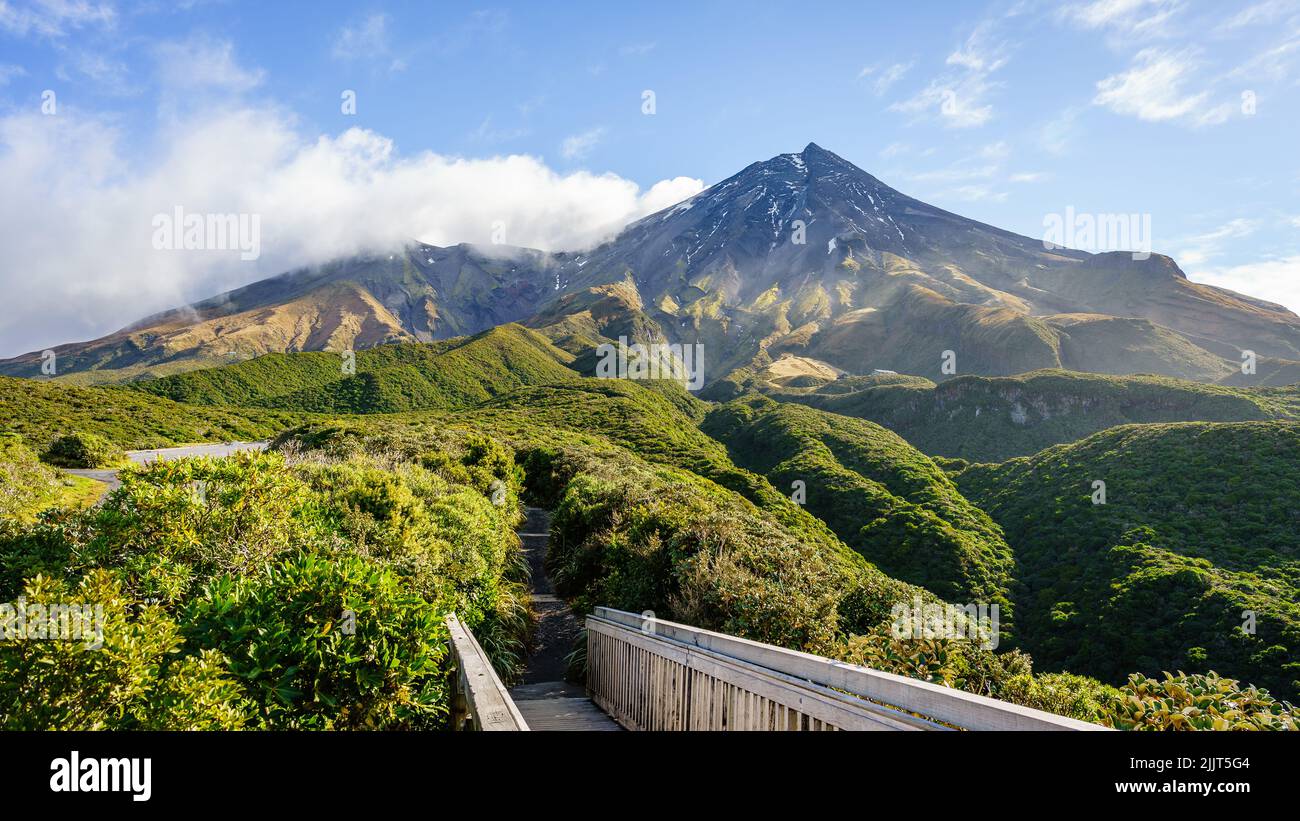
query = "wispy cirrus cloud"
{"x": 490, "y": 134}
{"x": 1265, "y": 13}
{"x": 364, "y": 38}
{"x": 1154, "y": 88}
{"x": 1058, "y": 134}
{"x": 201, "y": 62}
{"x": 637, "y": 49}
{"x": 54, "y": 18}
{"x": 577, "y": 146}
{"x": 1126, "y": 19}
{"x": 883, "y": 77}
{"x": 980, "y": 176}
{"x": 368, "y": 39}
{"x": 959, "y": 96}
{"x": 1200, "y": 248}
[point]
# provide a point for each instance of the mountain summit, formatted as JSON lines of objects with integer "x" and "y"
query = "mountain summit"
{"x": 803, "y": 255}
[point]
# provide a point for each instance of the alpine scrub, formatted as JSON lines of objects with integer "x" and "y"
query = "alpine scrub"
{"x": 260, "y": 591}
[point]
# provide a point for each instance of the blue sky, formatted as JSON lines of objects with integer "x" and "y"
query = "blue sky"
{"x": 1004, "y": 112}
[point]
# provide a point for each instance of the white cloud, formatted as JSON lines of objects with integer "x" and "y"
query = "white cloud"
{"x": 110, "y": 75}
{"x": 981, "y": 52}
{"x": 885, "y": 77}
{"x": 956, "y": 173}
{"x": 1271, "y": 65}
{"x": 1269, "y": 11}
{"x": 76, "y": 258}
{"x": 367, "y": 39}
{"x": 959, "y": 103}
{"x": 577, "y": 146}
{"x": 669, "y": 192}
{"x": 1198, "y": 248}
{"x": 53, "y": 18}
{"x": 1152, "y": 89}
{"x": 9, "y": 71}
{"x": 959, "y": 97}
{"x": 203, "y": 63}
{"x": 637, "y": 49}
{"x": 490, "y": 134}
{"x": 1056, "y": 135}
{"x": 1130, "y": 18}
{"x": 976, "y": 177}
{"x": 974, "y": 193}
{"x": 1275, "y": 280}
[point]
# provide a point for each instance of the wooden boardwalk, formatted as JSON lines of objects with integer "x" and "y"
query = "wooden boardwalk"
{"x": 558, "y": 705}
{"x": 645, "y": 673}
{"x": 545, "y": 699}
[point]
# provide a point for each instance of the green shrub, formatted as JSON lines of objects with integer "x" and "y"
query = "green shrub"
{"x": 327, "y": 642}
{"x": 1062, "y": 693}
{"x": 140, "y": 679}
{"x": 636, "y": 537}
{"x": 43, "y": 410}
{"x": 175, "y": 524}
{"x": 84, "y": 450}
{"x": 930, "y": 660}
{"x": 255, "y": 560}
{"x": 880, "y": 495}
{"x": 1197, "y": 702}
{"x": 24, "y": 481}
{"x": 446, "y": 527}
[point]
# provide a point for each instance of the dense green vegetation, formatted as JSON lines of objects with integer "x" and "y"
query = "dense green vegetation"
{"x": 990, "y": 419}
{"x": 132, "y": 420}
{"x": 377, "y": 514}
{"x": 28, "y": 487}
{"x": 1198, "y": 702}
{"x": 387, "y": 379}
{"x": 642, "y": 533}
{"x": 260, "y": 591}
{"x": 1199, "y": 525}
{"x": 878, "y": 493}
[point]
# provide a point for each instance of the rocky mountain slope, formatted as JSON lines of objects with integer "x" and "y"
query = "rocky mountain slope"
{"x": 415, "y": 294}
{"x": 802, "y": 254}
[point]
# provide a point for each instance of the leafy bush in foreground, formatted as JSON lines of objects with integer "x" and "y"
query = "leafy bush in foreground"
{"x": 327, "y": 643}
{"x": 305, "y": 593}
{"x": 1198, "y": 702}
{"x": 174, "y": 525}
{"x": 1006, "y": 676}
{"x": 141, "y": 679}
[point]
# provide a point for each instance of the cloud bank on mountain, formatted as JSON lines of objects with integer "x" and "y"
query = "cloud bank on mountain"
{"x": 76, "y": 250}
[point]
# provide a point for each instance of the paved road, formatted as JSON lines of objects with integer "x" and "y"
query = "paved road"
{"x": 144, "y": 457}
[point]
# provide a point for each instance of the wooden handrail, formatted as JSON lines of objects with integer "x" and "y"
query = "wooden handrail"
{"x": 479, "y": 700}
{"x": 654, "y": 674}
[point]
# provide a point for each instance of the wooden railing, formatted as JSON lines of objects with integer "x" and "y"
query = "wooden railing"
{"x": 658, "y": 675}
{"x": 479, "y": 699}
